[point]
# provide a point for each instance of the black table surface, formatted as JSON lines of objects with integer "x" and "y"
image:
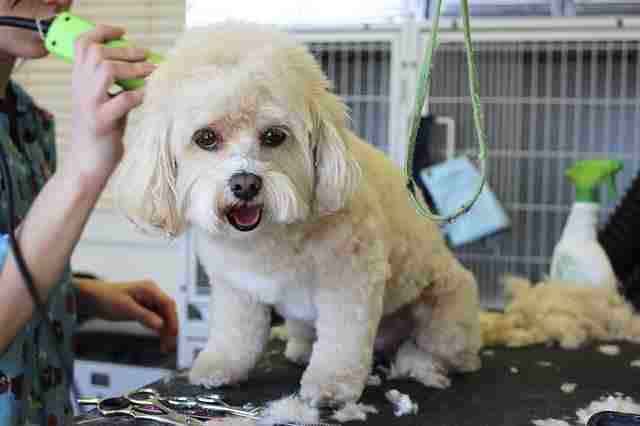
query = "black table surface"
{"x": 495, "y": 395}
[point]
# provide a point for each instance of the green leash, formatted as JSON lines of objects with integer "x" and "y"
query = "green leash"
{"x": 422, "y": 95}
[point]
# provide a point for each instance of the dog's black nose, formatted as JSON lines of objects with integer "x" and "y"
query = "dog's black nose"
{"x": 245, "y": 186}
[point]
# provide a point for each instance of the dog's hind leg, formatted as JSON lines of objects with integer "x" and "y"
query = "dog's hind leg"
{"x": 301, "y": 336}
{"x": 447, "y": 330}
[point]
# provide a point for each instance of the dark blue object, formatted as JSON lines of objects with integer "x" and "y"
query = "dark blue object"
{"x": 619, "y": 239}
{"x": 423, "y": 157}
{"x": 613, "y": 418}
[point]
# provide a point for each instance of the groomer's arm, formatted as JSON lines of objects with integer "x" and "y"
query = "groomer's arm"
{"x": 55, "y": 221}
{"x": 47, "y": 237}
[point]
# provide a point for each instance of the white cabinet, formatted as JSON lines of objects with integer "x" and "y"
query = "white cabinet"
{"x": 103, "y": 379}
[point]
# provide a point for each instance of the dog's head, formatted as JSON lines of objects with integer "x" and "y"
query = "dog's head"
{"x": 238, "y": 130}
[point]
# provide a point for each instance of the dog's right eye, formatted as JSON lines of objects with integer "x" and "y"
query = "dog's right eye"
{"x": 207, "y": 139}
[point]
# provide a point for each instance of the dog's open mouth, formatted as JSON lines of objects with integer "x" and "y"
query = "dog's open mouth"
{"x": 245, "y": 218}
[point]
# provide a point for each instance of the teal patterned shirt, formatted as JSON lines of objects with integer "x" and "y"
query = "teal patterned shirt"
{"x": 33, "y": 388}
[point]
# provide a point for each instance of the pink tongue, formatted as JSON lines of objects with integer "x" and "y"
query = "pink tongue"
{"x": 247, "y": 215}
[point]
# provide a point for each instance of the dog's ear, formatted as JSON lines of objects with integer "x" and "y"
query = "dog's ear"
{"x": 146, "y": 181}
{"x": 337, "y": 171}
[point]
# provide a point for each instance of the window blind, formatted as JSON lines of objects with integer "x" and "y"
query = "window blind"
{"x": 500, "y": 7}
{"x": 606, "y": 7}
{"x": 152, "y": 24}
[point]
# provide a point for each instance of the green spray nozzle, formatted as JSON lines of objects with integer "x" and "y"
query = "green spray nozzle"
{"x": 587, "y": 175}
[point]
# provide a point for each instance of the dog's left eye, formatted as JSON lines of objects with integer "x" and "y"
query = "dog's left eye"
{"x": 273, "y": 136}
{"x": 207, "y": 139}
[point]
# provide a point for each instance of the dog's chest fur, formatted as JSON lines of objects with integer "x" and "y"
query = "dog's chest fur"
{"x": 277, "y": 270}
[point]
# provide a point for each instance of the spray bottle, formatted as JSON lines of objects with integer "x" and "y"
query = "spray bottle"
{"x": 578, "y": 258}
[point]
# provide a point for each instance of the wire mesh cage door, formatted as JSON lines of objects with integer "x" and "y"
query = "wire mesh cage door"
{"x": 547, "y": 104}
{"x": 359, "y": 72}
{"x": 362, "y": 67}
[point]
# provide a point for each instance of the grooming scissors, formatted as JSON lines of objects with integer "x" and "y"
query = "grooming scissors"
{"x": 214, "y": 403}
{"x": 148, "y": 404}
{"x": 141, "y": 404}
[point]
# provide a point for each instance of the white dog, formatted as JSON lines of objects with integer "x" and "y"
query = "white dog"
{"x": 240, "y": 138}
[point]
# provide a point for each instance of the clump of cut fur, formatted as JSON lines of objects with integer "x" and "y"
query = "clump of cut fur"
{"x": 354, "y": 411}
{"x": 290, "y": 409}
{"x": 403, "y": 405}
{"x": 611, "y": 350}
{"x": 556, "y": 313}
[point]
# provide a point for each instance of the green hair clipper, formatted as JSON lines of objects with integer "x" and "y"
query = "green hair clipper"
{"x": 63, "y": 31}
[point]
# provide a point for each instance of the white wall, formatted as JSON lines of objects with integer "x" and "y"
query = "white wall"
{"x": 296, "y": 12}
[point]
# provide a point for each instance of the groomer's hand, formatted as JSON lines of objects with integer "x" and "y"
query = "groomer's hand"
{"x": 140, "y": 301}
{"x": 99, "y": 119}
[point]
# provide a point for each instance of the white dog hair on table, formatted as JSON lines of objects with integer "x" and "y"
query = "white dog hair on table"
{"x": 240, "y": 138}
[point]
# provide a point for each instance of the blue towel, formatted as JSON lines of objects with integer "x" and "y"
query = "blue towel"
{"x": 451, "y": 184}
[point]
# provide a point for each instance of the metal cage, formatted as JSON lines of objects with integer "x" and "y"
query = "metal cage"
{"x": 553, "y": 91}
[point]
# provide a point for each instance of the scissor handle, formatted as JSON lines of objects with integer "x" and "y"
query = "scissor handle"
{"x": 181, "y": 402}
{"x": 89, "y": 401}
{"x": 151, "y": 397}
{"x": 167, "y": 420}
{"x": 114, "y": 405}
{"x": 146, "y": 396}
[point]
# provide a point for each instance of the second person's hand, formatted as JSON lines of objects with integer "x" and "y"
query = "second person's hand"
{"x": 141, "y": 301}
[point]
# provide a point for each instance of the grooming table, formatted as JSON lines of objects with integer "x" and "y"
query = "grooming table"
{"x": 493, "y": 396}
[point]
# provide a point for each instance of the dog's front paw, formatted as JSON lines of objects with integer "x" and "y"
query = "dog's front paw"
{"x": 331, "y": 389}
{"x": 298, "y": 351}
{"x": 212, "y": 370}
